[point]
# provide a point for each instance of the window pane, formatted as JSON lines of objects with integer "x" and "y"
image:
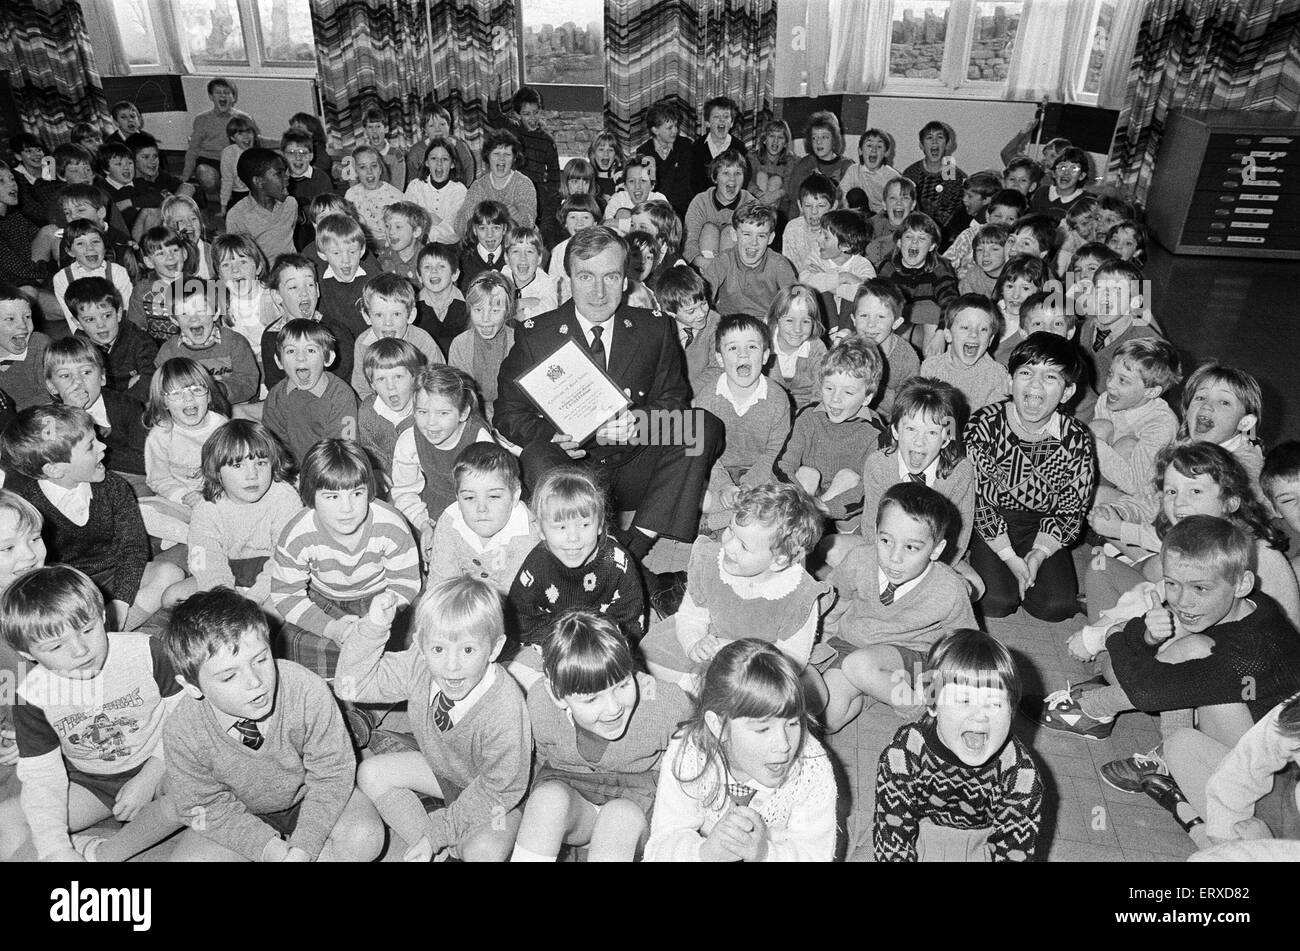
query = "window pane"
{"x": 564, "y": 41}
{"x": 212, "y": 30}
{"x": 285, "y": 28}
{"x": 917, "y": 37}
{"x": 1100, "y": 43}
{"x": 135, "y": 27}
{"x": 994, "y": 38}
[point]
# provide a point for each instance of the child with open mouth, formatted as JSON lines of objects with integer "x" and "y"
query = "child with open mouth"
{"x": 956, "y": 786}
{"x": 970, "y": 325}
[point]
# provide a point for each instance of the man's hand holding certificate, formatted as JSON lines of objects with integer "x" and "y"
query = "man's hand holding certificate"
{"x": 578, "y": 398}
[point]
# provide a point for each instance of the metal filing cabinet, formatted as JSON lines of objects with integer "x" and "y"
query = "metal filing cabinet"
{"x": 1228, "y": 183}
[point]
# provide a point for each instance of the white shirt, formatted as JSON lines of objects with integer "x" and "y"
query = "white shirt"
{"x": 99, "y": 412}
{"x": 518, "y": 525}
{"x": 73, "y": 503}
{"x": 394, "y": 416}
{"x": 329, "y": 272}
{"x": 461, "y": 708}
{"x": 742, "y": 406}
{"x": 931, "y": 472}
{"x": 788, "y": 361}
{"x": 906, "y": 586}
{"x": 606, "y": 333}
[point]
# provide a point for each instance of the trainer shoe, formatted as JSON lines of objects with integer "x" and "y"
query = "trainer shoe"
{"x": 1127, "y": 774}
{"x": 1060, "y": 711}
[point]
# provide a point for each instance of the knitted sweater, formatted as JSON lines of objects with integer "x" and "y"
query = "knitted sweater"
{"x": 458, "y": 550}
{"x": 741, "y": 289}
{"x": 423, "y": 485}
{"x": 1245, "y": 776}
{"x": 660, "y": 709}
{"x": 835, "y": 170}
{"x": 706, "y": 209}
{"x": 108, "y": 725}
{"x": 228, "y": 357}
{"x": 937, "y": 196}
{"x": 482, "y": 359}
{"x": 1262, "y": 650}
{"x": 938, "y": 605}
{"x": 1153, "y": 425}
{"x": 173, "y": 457}
{"x": 133, "y": 352}
{"x": 985, "y": 383}
{"x": 208, "y": 138}
{"x": 486, "y": 752}
{"x": 126, "y": 436}
{"x": 24, "y": 379}
{"x": 798, "y": 246}
{"x": 607, "y": 583}
{"x": 1052, "y": 476}
{"x": 111, "y": 547}
{"x": 958, "y": 487}
{"x": 673, "y": 171}
{"x": 754, "y": 440}
{"x": 519, "y": 196}
{"x": 920, "y": 778}
{"x": 901, "y": 364}
{"x": 378, "y": 434}
{"x": 306, "y": 555}
{"x": 446, "y": 325}
{"x": 927, "y": 289}
{"x": 305, "y": 757}
{"x": 829, "y": 447}
{"x": 799, "y": 814}
{"x": 227, "y": 530}
{"x": 301, "y": 418}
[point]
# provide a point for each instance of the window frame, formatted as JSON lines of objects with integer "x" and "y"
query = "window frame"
{"x": 250, "y": 25}
{"x": 566, "y": 97}
{"x": 1080, "y": 79}
{"x": 952, "y": 82}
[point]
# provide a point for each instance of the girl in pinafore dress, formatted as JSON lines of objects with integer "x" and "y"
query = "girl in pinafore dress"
{"x": 750, "y": 584}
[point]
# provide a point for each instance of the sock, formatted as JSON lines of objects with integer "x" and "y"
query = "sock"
{"x": 1171, "y": 721}
{"x": 402, "y": 812}
{"x": 521, "y": 854}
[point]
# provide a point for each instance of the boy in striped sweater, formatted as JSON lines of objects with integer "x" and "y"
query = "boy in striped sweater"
{"x": 335, "y": 556}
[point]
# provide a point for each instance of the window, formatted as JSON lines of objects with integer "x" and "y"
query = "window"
{"x": 563, "y": 42}
{"x": 241, "y": 37}
{"x": 136, "y": 30}
{"x": 951, "y": 43}
{"x": 1102, "y": 33}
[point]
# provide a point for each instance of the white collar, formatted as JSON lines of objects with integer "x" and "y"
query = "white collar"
{"x": 779, "y": 585}
{"x": 393, "y": 415}
{"x": 757, "y": 395}
{"x": 329, "y": 272}
{"x": 606, "y": 334}
{"x": 78, "y": 269}
{"x": 491, "y": 256}
{"x": 462, "y": 707}
{"x": 906, "y": 586}
{"x": 519, "y": 524}
{"x": 75, "y": 499}
{"x": 99, "y": 413}
{"x": 1236, "y": 443}
{"x": 931, "y": 471}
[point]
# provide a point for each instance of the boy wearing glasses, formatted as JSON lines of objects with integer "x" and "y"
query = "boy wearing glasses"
{"x": 304, "y": 180}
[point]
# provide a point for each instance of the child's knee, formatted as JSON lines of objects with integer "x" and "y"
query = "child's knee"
{"x": 624, "y": 819}
{"x": 491, "y": 845}
{"x": 372, "y": 779}
{"x": 359, "y": 835}
{"x": 549, "y": 799}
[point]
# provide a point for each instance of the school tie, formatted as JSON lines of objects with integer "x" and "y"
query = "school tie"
{"x": 687, "y": 336}
{"x": 887, "y": 596}
{"x": 740, "y": 794}
{"x": 250, "y": 734}
{"x": 917, "y": 477}
{"x": 1099, "y": 341}
{"x": 442, "y": 712}
{"x": 598, "y": 347}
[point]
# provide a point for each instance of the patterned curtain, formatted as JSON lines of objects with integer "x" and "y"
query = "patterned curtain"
{"x": 371, "y": 53}
{"x": 687, "y": 52}
{"x": 1203, "y": 54}
{"x": 46, "y": 51}
{"x": 475, "y": 46}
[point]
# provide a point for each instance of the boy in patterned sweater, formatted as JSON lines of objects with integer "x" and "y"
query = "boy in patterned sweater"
{"x": 258, "y": 759}
{"x": 1034, "y": 473}
{"x": 957, "y": 786}
{"x": 334, "y": 557}
{"x": 89, "y": 723}
{"x": 754, "y": 410}
{"x": 487, "y": 532}
{"x": 470, "y": 719}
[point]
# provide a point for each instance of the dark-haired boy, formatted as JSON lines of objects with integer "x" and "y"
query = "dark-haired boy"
{"x": 746, "y": 278}
{"x": 129, "y": 352}
{"x": 269, "y": 213}
{"x": 308, "y": 405}
{"x": 1035, "y": 469}
{"x": 259, "y": 761}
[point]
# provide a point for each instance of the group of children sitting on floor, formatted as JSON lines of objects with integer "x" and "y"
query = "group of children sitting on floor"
{"x": 285, "y": 480}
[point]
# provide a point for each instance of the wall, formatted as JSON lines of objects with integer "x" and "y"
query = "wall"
{"x": 270, "y": 101}
{"x": 573, "y": 131}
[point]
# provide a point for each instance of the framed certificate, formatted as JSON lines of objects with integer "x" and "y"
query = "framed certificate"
{"x": 576, "y": 395}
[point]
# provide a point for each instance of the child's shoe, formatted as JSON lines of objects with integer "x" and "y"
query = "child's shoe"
{"x": 1166, "y": 791}
{"x": 1127, "y": 775}
{"x": 1060, "y": 711}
